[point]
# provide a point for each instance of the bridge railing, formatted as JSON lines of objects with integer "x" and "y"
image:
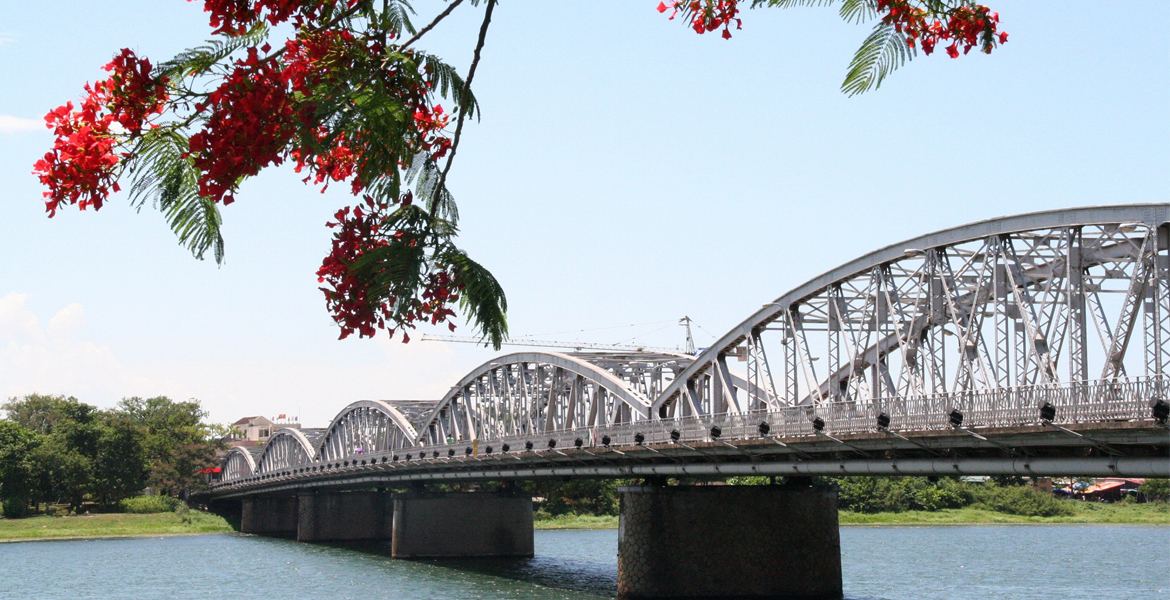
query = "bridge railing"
{"x": 1080, "y": 402}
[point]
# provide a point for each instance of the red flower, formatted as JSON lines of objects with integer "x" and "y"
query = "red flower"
{"x": 706, "y": 15}
{"x": 252, "y": 120}
{"x": 80, "y": 169}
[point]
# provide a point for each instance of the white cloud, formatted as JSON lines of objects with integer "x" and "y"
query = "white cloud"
{"x": 11, "y": 124}
{"x": 52, "y": 359}
{"x": 56, "y": 358}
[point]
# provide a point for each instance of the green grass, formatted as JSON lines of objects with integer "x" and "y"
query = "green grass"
{"x": 1155, "y": 513}
{"x": 572, "y": 521}
{"x": 110, "y": 525}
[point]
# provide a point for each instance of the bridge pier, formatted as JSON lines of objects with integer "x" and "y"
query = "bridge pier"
{"x": 462, "y": 524}
{"x": 729, "y": 542}
{"x": 344, "y": 516}
{"x": 269, "y": 515}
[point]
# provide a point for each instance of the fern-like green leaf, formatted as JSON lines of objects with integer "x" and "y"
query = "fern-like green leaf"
{"x": 858, "y": 11}
{"x": 790, "y": 3}
{"x": 882, "y": 52}
{"x": 162, "y": 175}
{"x": 482, "y": 300}
{"x": 201, "y": 58}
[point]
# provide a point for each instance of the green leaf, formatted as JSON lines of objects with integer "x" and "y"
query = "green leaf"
{"x": 162, "y": 175}
{"x": 790, "y": 3}
{"x": 482, "y": 300}
{"x": 858, "y": 11}
{"x": 882, "y": 52}
{"x": 199, "y": 59}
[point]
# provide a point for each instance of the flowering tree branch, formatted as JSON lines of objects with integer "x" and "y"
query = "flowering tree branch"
{"x": 902, "y": 28}
{"x": 343, "y": 102}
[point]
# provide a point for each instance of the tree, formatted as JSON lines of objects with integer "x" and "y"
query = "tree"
{"x": 60, "y": 473}
{"x": 176, "y": 442}
{"x": 81, "y": 453}
{"x": 350, "y": 99}
{"x": 41, "y": 413}
{"x": 120, "y": 462}
{"x": 17, "y": 444}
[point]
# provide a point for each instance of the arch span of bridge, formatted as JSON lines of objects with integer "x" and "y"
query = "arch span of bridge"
{"x": 1034, "y": 344}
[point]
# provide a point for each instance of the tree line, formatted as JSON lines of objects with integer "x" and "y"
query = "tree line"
{"x": 59, "y": 450}
{"x": 1011, "y": 495}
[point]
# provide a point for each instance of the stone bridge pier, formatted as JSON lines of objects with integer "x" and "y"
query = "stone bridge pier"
{"x": 777, "y": 541}
{"x": 344, "y": 516}
{"x": 269, "y": 515}
{"x": 418, "y": 524}
{"x": 462, "y": 524}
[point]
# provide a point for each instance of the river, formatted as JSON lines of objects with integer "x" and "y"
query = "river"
{"x": 1068, "y": 562}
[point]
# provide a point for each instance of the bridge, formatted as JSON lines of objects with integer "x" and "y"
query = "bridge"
{"x": 1031, "y": 345}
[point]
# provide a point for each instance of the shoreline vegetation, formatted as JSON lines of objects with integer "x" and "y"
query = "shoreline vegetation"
{"x": 1083, "y": 513}
{"x": 111, "y": 525}
{"x": 118, "y": 525}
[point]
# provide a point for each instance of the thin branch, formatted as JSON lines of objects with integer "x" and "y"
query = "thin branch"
{"x": 424, "y": 30}
{"x": 487, "y": 19}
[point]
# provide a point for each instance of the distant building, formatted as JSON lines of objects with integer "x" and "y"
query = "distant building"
{"x": 254, "y": 431}
{"x": 1110, "y": 489}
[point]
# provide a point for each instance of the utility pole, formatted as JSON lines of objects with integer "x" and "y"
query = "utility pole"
{"x": 690, "y": 348}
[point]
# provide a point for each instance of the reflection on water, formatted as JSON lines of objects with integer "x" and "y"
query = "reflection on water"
{"x": 886, "y": 563}
{"x": 577, "y": 561}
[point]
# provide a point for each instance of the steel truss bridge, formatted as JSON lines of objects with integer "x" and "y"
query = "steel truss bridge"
{"x": 1034, "y": 344}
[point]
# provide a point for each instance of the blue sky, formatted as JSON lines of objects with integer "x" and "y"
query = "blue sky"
{"x": 625, "y": 171}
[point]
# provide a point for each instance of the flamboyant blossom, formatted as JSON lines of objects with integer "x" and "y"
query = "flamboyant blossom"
{"x": 965, "y": 26}
{"x": 341, "y": 99}
{"x": 362, "y": 234}
{"x": 250, "y": 122}
{"x": 234, "y": 17}
{"x": 82, "y": 166}
{"x": 706, "y": 15}
{"x": 922, "y": 24}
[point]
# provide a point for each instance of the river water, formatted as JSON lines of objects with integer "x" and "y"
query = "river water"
{"x": 892, "y": 563}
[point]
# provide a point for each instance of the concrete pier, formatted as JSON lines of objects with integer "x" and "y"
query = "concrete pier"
{"x": 344, "y": 516}
{"x": 269, "y": 515}
{"x": 465, "y": 524}
{"x": 729, "y": 542}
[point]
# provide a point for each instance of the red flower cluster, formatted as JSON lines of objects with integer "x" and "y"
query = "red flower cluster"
{"x": 80, "y": 167}
{"x": 314, "y": 59}
{"x": 359, "y": 232}
{"x": 706, "y": 15}
{"x": 966, "y": 26}
{"x": 431, "y": 122}
{"x": 233, "y": 17}
{"x": 252, "y": 121}
{"x": 134, "y": 94}
{"x": 305, "y": 55}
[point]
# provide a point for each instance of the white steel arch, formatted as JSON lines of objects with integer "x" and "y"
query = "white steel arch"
{"x": 237, "y": 464}
{"x": 1002, "y": 303}
{"x": 529, "y": 392}
{"x": 366, "y": 427}
{"x": 286, "y": 448}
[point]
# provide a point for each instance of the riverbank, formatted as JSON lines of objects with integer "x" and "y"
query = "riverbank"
{"x": 196, "y": 522}
{"x": 111, "y": 525}
{"x": 1087, "y": 513}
